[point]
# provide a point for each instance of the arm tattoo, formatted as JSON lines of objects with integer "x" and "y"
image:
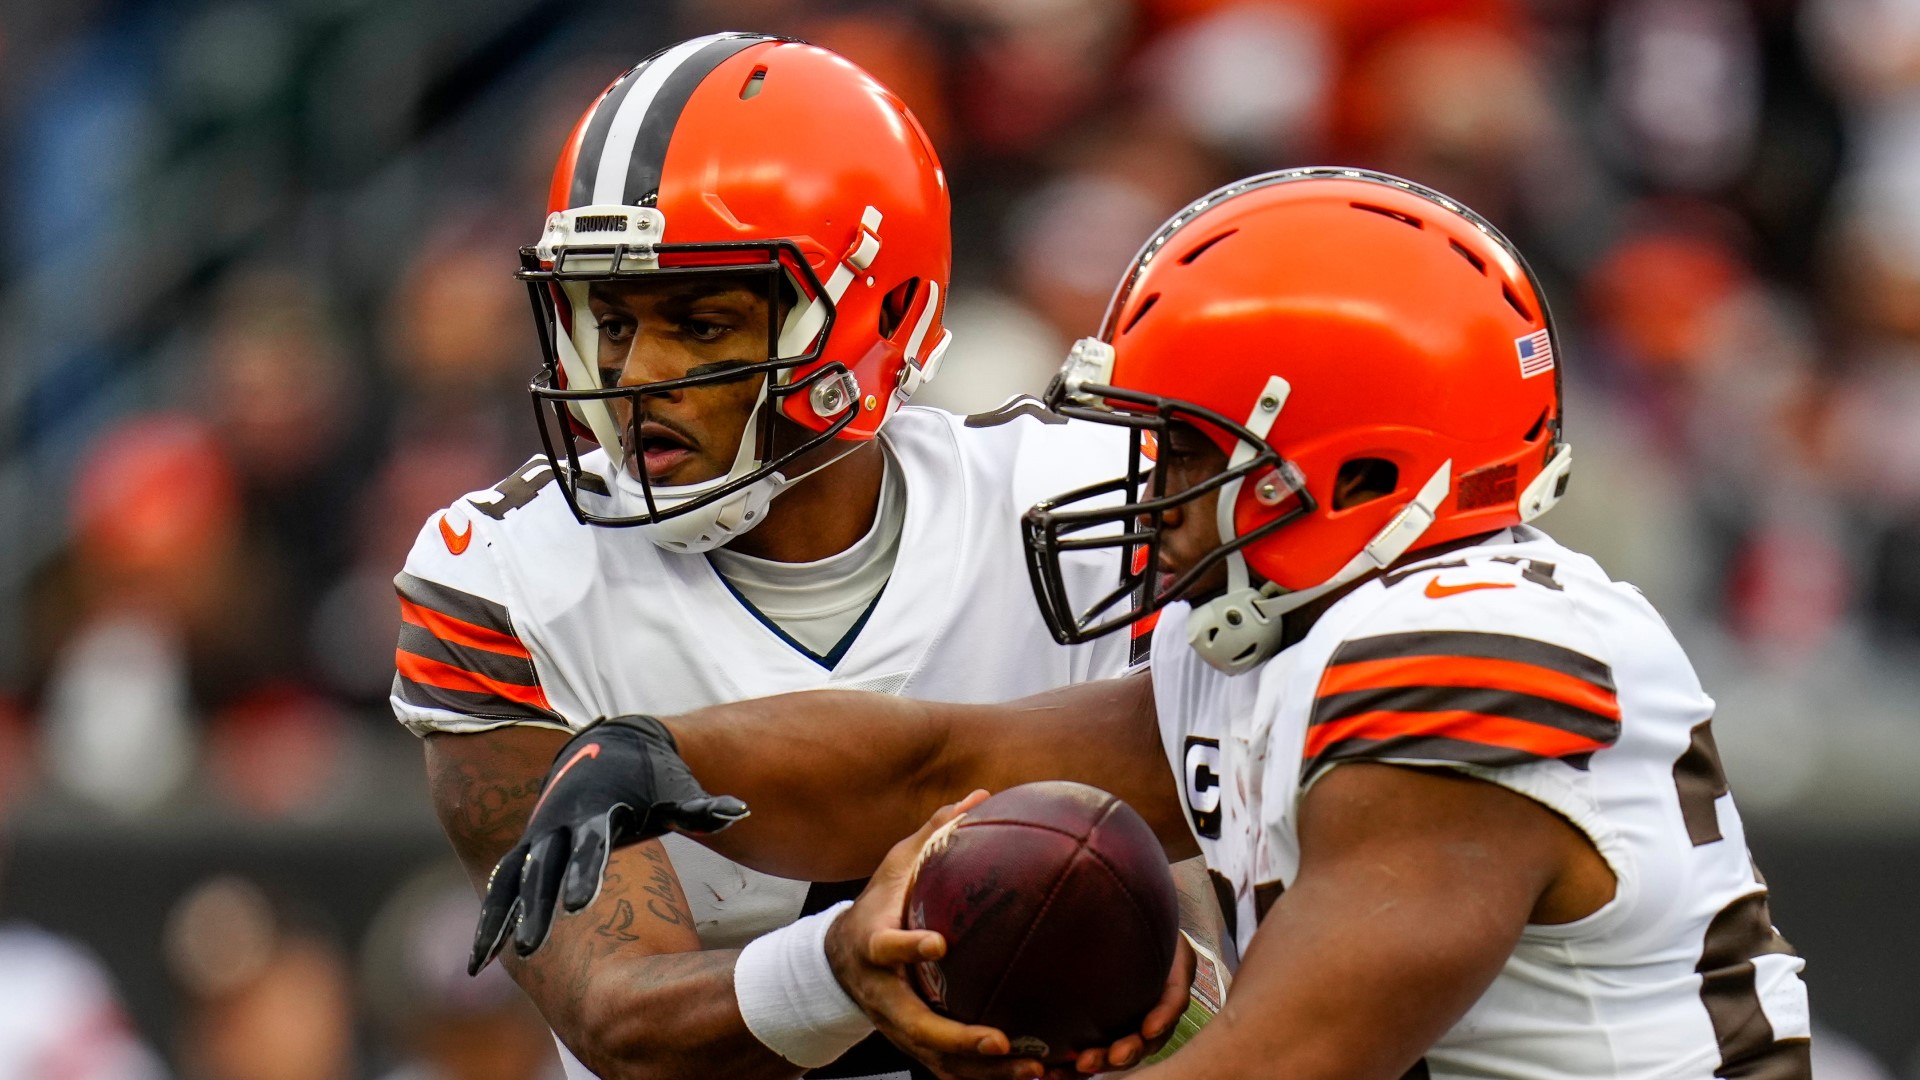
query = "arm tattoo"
{"x": 484, "y": 799}
{"x": 664, "y": 898}
{"x": 483, "y": 787}
{"x": 619, "y": 924}
{"x": 624, "y": 949}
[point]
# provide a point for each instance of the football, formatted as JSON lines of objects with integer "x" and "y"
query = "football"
{"x": 1059, "y": 913}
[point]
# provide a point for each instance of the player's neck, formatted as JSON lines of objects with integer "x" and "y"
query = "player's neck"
{"x": 823, "y": 515}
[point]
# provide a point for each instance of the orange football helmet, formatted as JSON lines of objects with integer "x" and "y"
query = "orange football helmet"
{"x": 742, "y": 153}
{"x": 1310, "y": 322}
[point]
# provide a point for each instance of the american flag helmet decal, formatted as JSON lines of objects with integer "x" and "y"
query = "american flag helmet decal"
{"x": 1536, "y": 353}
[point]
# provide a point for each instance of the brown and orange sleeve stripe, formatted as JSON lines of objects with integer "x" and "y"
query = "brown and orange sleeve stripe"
{"x": 458, "y": 653}
{"x": 1448, "y": 695}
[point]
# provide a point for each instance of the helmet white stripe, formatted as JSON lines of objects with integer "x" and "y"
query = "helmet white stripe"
{"x": 616, "y": 156}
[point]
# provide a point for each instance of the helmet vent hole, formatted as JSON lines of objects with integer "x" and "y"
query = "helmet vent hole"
{"x": 1479, "y": 263}
{"x": 895, "y": 305}
{"x": 1396, "y": 215}
{"x": 1514, "y": 302}
{"x": 1145, "y": 306}
{"x": 1539, "y": 425}
{"x": 754, "y": 82}
{"x": 1187, "y": 259}
{"x": 1363, "y": 480}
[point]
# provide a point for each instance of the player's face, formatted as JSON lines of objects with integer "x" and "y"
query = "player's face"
{"x": 652, "y": 330}
{"x": 1190, "y": 531}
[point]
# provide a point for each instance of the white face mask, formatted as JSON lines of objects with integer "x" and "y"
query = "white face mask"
{"x": 719, "y": 522}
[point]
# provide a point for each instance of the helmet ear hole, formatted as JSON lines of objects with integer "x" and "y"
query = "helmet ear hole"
{"x": 1513, "y": 301}
{"x": 895, "y": 305}
{"x": 1539, "y": 426}
{"x": 1362, "y": 480}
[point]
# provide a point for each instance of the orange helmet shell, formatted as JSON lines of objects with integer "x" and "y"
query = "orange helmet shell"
{"x": 1406, "y": 329}
{"x": 750, "y": 138}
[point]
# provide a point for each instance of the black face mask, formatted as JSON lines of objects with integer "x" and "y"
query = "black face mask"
{"x": 1124, "y": 514}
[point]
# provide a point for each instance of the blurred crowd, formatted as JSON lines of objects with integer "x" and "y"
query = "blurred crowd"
{"x": 258, "y": 323}
{"x": 266, "y": 988}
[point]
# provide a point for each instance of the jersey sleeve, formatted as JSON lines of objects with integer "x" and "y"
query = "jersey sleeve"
{"x": 460, "y": 665}
{"x": 1489, "y": 672}
{"x": 1489, "y": 668}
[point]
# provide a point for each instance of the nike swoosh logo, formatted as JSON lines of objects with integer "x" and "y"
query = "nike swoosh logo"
{"x": 591, "y": 750}
{"x": 1435, "y": 590}
{"x": 456, "y": 542}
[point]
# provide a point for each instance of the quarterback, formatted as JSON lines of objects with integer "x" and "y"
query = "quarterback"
{"x": 738, "y": 286}
{"x": 1460, "y": 784}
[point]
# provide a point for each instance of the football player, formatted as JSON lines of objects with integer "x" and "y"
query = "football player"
{"x": 738, "y": 286}
{"x": 1462, "y": 785}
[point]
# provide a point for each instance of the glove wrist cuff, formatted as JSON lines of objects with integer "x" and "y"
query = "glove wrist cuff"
{"x": 650, "y": 725}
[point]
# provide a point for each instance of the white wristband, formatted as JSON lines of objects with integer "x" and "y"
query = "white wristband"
{"x": 789, "y": 997}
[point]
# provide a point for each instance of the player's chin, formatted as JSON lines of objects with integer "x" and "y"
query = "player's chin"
{"x": 1202, "y": 589}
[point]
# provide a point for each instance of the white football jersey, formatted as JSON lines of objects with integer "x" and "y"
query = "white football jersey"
{"x": 515, "y": 613}
{"x": 1519, "y": 662}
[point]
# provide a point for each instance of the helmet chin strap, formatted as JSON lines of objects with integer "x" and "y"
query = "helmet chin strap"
{"x": 723, "y": 520}
{"x": 1266, "y": 409}
{"x": 714, "y": 524}
{"x": 1240, "y": 629}
{"x": 809, "y": 316}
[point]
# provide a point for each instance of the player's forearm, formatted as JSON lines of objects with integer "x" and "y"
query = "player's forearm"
{"x": 621, "y": 981}
{"x": 664, "y": 1017}
{"x": 1413, "y": 889}
{"x": 627, "y": 988}
{"x": 1290, "y": 1012}
{"x": 834, "y": 778}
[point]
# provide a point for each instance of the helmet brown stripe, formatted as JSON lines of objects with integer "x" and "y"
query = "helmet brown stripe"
{"x": 656, "y": 129}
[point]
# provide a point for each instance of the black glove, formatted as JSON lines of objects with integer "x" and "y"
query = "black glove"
{"x": 618, "y": 782}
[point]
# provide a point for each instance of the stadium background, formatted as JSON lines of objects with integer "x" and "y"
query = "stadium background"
{"x": 257, "y": 323}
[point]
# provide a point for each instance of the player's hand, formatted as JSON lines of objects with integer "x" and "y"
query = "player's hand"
{"x": 1159, "y": 1022}
{"x": 618, "y": 782}
{"x": 870, "y": 950}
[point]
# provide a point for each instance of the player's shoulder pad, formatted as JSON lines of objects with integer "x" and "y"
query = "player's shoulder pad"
{"x": 1511, "y": 589}
{"x": 477, "y": 538}
{"x": 463, "y": 661}
{"x": 1481, "y": 658}
{"x": 1032, "y": 453}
